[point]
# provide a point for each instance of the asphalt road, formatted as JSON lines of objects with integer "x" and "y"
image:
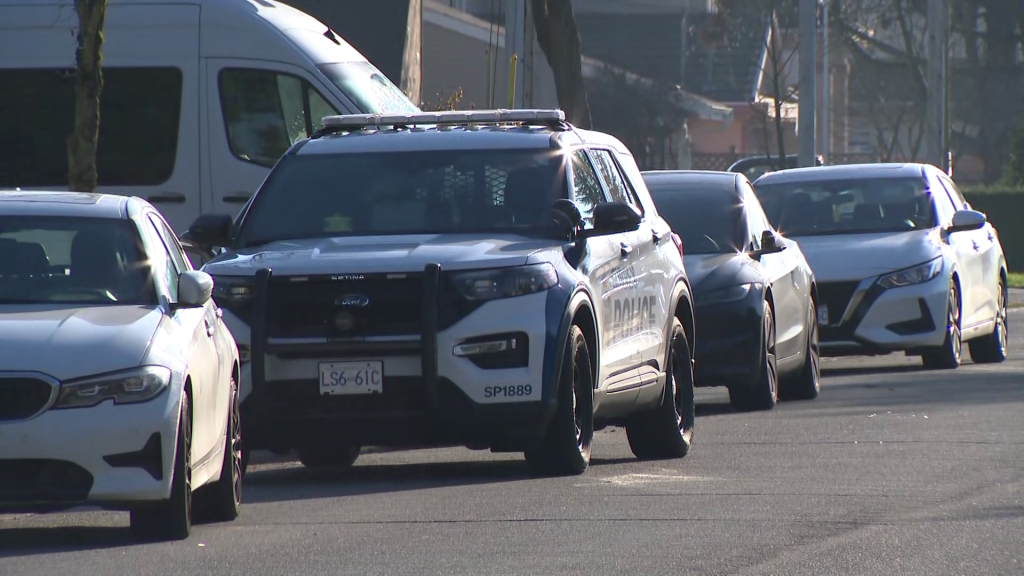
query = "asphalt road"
{"x": 893, "y": 470}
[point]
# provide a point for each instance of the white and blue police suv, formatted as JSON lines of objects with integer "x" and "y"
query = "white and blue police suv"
{"x": 494, "y": 279}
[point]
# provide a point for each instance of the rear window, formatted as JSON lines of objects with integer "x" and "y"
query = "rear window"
{"x": 430, "y": 192}
{"x": 710, "y": 221}
{"x": 138, "y": 139}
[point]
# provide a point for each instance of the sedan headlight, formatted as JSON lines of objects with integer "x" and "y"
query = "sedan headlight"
{"x": 505, "y": 282}
{"x": 128, "y": 387}
{"x": 722, "y": 295}
{"x": 913, "y": 275}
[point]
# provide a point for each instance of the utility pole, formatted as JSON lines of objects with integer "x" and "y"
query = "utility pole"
{"x": 514, "y": 54}
{"x": 808, "y": 73}
{"x": 826, "y": 89}
{"x": 935, "y": 80}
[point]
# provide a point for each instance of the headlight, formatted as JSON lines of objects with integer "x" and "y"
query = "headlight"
{"x": 128, "y": 387}
{"x": 730, "y": 294}
{"x": 232, "y": 291}
{"x": 505, "y": 282}
{"x": 914, "y": 275}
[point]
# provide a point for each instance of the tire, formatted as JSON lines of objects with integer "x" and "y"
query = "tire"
{"x": 948, "y": 356}
{"x": 221, "y": 501}
{"x": 807, "y": 383}
{"x": 172, "y": 518}
{"x": 565, "y": 449}
{"x": 763, "y": 393}
{"x": 333, "y": 455}
{"x": 667, "y": 431}
{"x": 992, "y": 348}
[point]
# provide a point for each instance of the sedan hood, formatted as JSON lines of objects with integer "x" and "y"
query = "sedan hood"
{"x": 374, "y": 254}
{"x": 74, "y": 342}
{"x": 841, "y": 257}
{"x": 708, "y": 272}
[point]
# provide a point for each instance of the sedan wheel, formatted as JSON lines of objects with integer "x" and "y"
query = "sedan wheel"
{"x": 948, "y": 356}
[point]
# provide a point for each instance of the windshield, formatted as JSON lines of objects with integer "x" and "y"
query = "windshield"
{"x": 856, "y": 206}
{"x": 709, "y": 221}
{"x": 71, "y": 260}
{"x": 432, "y": 192}
{"x": 368, "y": 88}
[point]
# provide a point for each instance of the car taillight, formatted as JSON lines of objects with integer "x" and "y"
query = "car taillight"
{"x": 679, "y": 244}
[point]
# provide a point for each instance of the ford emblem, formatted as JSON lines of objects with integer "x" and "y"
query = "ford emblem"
{"x": 353, "y": 301}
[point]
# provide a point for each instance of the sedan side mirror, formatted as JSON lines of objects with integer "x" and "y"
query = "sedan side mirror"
{"x": 195, "y": 288}
{"x": 615, "y": 218}
{"x": 967, "y": 220}
{"x": 769, "y": 245}
{"x": 211, "y": 231}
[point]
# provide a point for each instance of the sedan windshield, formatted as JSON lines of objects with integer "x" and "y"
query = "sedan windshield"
{"x": 855, "y": 206}
{"x": 430, "y": 192}
{"x": 709, "y": 221}
{"x": 71, "y": 260}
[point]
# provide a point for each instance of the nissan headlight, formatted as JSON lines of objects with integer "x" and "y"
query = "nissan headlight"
{"x": 128, "y": 387}
{"x": 913, "y": 275}
{"x": 723, "y": 295}
{"x": 505, "y": 282}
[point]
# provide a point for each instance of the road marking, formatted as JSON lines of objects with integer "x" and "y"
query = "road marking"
{"x": 632, "y": 480}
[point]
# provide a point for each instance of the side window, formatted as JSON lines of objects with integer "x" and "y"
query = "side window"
{"x": 164, "y": 271}
{"x": 618, "y": 191}
{"x": 959, "y": 202}
{"x": 39, "y": 112}
{"x": 265, "y": 112}
{"x": 944, "y": 207}
{"x": 170, "y": 241}
{"x": 587, "y": 191}
{"x": 756, "y": 221}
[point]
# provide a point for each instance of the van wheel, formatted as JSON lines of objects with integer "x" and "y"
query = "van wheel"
{"x": 763, "y": 393}
{"x": 172, "y": 518}
{"x": 221, "y": 501}
{"x": 948, "y": 356}
{"x": 565, "y": 449}
{"x": 992, "y": 348}
{"x": 667, "y": 431}
{"x": 806, "y": 384}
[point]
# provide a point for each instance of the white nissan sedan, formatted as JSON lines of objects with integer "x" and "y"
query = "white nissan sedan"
{"x": 902, "y": 261}
{"x": 117, "y": 376}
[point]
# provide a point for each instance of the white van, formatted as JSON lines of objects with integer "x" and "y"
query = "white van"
{"x": 200, "y": 97}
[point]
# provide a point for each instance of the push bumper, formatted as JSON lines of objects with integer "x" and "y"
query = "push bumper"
{"x": 429, "y": 398}
{"x": 105, "y": 455}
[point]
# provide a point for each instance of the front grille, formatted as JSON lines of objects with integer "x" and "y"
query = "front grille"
{"x": 29, "y": 480}
{"x": 22, "y": 397}
{"x": 321, "y": 307}
{"x": 836, "y": 296}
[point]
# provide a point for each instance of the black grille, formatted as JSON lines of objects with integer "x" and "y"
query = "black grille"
{"x": 836, "y": 296}
{"x": 311, "y": 308}
{"x": 28, "y": 481}
{"x": 21, "y": 398}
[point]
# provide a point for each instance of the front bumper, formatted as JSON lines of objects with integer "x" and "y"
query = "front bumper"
{"x": 106, "y": 455}
{"x": 728, "y": 349}
{"x": 866, "y": 319}
{"x": 430, "y": 396}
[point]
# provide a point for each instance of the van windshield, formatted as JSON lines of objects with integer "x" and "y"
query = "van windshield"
{"x": 368, "y": 88}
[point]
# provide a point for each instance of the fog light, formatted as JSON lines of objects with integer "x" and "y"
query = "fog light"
{"x": 492, "y": 347}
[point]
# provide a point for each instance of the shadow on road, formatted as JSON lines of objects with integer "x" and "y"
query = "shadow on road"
{"x": 869, "y": 370}
{"x": 30, "y": 541}
{"x": 714, "y": 409}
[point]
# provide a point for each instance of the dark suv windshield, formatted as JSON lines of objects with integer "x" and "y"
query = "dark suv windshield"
{"x": 709, "y": 221}
{"x": 71, "y": 261}
{"x": 429, "y": 192}
{"x": 855, "y": 206}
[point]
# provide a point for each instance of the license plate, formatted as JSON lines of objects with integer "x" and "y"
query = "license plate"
{"x": 822, "y": 315}
{"x": 351, "y": 378}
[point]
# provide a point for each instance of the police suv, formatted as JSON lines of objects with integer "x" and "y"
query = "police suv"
{"x": 494, "y": 279}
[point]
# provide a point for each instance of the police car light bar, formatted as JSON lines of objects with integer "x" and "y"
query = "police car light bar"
{"x": 358, "y": 121}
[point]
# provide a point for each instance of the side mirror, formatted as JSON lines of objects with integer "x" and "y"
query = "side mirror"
{"x": 769, "y": 245}
{"x": 615, "y": 218}
{"x": 967, "y": 220}
{"x": 566, "y": 216}
{"x": 194, "y": 289}
{"x": 210, "y": 230}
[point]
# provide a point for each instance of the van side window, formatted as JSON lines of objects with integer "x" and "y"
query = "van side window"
{"x": 140, "y": 110}
{"x": 265, "y": 112}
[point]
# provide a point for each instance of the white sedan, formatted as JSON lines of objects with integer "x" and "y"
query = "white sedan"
{"x": 117, "y": 376}
{"x": 903, "y": 263}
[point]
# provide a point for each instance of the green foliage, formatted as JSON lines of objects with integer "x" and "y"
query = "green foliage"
{"x": 442, "y": 103}
{"x": 1004, "y": 209}
{"x": 1013, "y": 173}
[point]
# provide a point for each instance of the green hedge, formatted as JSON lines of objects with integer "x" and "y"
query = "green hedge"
{"x": 1005, "y": 210}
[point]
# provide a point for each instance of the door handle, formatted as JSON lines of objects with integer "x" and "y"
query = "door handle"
{"x": 237, "y": 197}
{"x": 658, "y": 237}
{"x": 625, "y": 249}
{"x": 975, "y": 245}
{"x": 166, "y": 198}
{"x": 991, "y": 236}
{"x": 210, "y": 328}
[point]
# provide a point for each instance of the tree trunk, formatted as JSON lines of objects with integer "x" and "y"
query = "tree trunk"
{"x": 88, "y": 86}
{"x": 560, "y": 42}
